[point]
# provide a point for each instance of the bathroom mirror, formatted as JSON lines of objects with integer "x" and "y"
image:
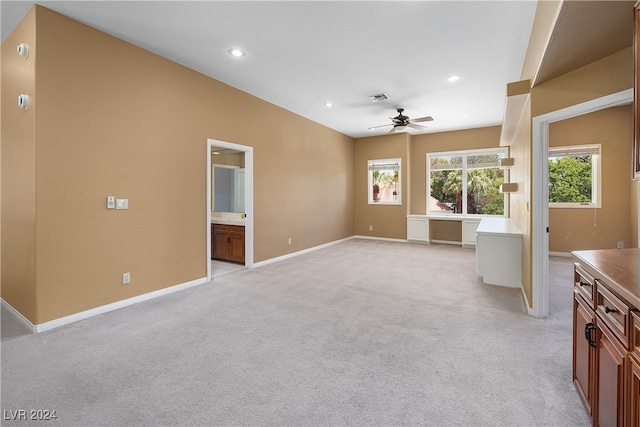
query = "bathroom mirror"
{"x": 227, "y": 186}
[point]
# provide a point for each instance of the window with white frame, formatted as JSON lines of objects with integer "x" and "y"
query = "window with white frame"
{"x": 574, "y": 176}
{"x": 384, "y": 177}
{"x": 466, "y": 183}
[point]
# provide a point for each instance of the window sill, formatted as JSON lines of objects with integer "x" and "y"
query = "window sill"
{"x": 574, "y": 206}
{"x": 460, "y": 217}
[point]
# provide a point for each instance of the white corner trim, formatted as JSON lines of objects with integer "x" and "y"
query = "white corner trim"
{"x": 15, "y": 313}
{"x": 298, "y": 253}
{"x": 115, "y": 305}
{"x": 530, "y": 311}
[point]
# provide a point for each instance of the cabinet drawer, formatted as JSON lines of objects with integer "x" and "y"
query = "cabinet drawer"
{"x": 584, "y": 284}
{"x": 614, "y": 312}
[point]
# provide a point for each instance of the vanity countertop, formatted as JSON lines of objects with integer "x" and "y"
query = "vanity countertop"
{"x": 227, "y": 221}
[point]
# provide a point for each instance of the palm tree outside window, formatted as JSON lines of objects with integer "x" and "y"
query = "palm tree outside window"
{"x": 466, "y": 183}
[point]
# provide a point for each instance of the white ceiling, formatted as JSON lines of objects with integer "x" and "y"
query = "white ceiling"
{"x": 301, "y": 54}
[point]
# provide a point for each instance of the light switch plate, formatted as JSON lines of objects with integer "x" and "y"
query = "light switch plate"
{"x": 111, "y": 202}
{"x": 122, "y": 203}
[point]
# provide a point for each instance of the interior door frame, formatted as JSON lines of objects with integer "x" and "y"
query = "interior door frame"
{"x": 248, "y": 199}
{"x": 540, "y": 190}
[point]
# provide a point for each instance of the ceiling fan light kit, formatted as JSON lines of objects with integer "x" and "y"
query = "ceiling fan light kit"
{"x": 401, "y": 121}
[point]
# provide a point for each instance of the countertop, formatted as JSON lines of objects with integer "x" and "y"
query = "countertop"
{"x": 618, "y": 268}
{"x": 228, "y": 221}
{"x": 498, "y": 226}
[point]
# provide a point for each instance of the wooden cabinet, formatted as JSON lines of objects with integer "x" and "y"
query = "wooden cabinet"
{"x": 227, "y": 242}
{"x": 606, "y": 335}
{"x": 584, "y": 338}
{"x": 633, "y": 400}
{"x": 610, "y": 395}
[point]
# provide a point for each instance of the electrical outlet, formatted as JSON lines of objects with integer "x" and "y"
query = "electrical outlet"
{"x": 126, "y": 278}
{"x": 111, "y": 202}
{"x": 371, "y": 228}
{"x": 620, "y": 245}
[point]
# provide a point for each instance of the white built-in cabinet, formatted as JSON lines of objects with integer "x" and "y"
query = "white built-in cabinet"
{"x": 469, "y": 227}
{"x": 499, "y": 252}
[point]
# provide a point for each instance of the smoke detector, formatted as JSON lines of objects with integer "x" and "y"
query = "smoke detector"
{"x": 379, "y": 97}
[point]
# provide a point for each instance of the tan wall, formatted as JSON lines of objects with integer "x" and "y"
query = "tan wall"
{"x": 18, "y": 171}
{"x": 446, "y": 231}
{"x": 576, "y": 229}
{"x": 543, "y": 24}
{"x": 604, "y": 77}
{"x": 118, "y": 120}
{"x": 520, "y": 201}
{"x": 468, "y": 139}
{"x": 388, "y": 221}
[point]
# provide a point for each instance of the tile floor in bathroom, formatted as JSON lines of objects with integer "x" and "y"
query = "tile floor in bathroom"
{"x": 218, "y": 268}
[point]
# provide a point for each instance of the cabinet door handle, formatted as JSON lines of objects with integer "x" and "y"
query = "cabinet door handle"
{"x": 584, "y": 284}
{"x": 609, "y": 310}
{"x": 228, "y": 239}
{"x": 587, "y": 334}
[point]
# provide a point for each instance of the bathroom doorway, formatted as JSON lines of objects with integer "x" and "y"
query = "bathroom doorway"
{"x": 231, "y": 210}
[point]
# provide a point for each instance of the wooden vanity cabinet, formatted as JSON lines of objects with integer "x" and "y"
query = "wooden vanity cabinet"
{"x": 584, "y": 353}
{"x": 633, "y": 401}
{"x": 606, "y": 297}
{"x": 227, "y": 242}
{"x": 610, "y": 395}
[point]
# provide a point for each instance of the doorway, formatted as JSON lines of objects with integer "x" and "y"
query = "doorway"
{"x": 540, "y": 191}
{"x": 246, "y": 201}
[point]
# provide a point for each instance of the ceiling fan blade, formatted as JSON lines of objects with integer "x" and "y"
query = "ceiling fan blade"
{"x": 381, "y": 126}
{"x": 422, "y": 119}
{"x": 419, "y": 127}
{"x": 393, "y": 129}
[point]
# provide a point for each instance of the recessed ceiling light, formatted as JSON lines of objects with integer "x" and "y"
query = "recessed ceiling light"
{"x": 328, "y": 104}
{"x": 453, "y": 78}
{"x": 236, "y": 52}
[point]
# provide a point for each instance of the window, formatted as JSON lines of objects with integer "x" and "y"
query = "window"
{"x": 384, "y": 182}
{"x": 574, "y": 176}
{"x": 466, "y": 183}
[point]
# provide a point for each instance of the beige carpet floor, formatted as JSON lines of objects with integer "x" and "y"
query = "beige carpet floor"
{"x": 364, "y": 332}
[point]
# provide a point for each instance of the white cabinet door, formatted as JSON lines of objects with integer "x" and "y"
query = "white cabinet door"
{"x": 469, "y": 233}
{"x": 418, "y": 229}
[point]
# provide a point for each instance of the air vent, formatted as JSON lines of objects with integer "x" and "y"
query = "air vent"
{"x": 379, "y": 97}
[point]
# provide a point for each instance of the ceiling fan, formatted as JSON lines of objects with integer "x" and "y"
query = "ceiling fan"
{"x": 401, "y": 121}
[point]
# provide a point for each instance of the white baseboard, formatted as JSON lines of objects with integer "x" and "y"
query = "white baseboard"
{"x": 46, "y": 326}
{"x": 446, "y": 242}
{"x": 19, "y": 317}
{"x": 298, "y": 253}
{"x": 325, "y": 245}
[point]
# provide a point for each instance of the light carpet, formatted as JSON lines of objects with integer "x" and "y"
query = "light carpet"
{"x": 363, "y": 333}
